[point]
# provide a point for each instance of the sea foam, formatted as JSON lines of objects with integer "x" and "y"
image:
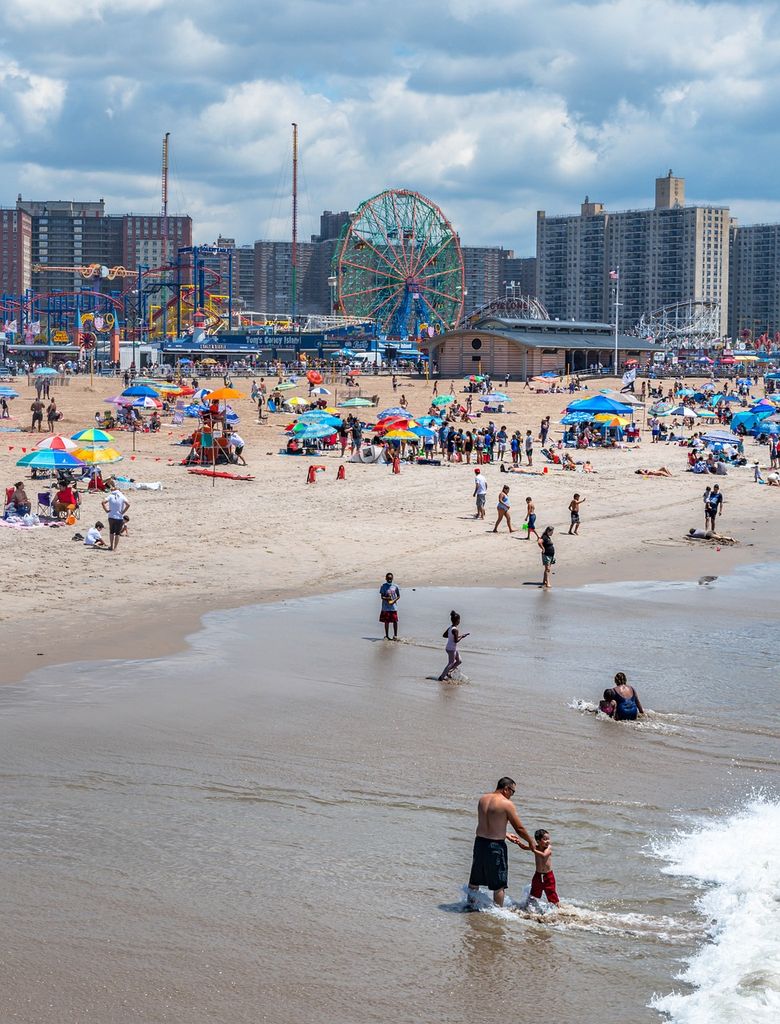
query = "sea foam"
{"x": 736, "y": 975}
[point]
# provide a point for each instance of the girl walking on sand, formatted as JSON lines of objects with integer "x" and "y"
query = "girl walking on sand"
{"x": 453, "y": 636}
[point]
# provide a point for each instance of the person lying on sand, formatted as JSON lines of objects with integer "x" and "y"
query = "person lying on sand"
{"x": 694, "y": 534}
{"x": 663, "y": 471}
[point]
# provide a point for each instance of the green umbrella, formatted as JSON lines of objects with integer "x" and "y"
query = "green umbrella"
{"x": 443, "y": 400}
{"x": 353, "y": 403}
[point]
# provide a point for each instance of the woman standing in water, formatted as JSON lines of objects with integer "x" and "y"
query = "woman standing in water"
{"x": 453, "y": 636}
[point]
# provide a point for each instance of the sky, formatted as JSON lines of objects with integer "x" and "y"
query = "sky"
{"x": 492, "y": 108}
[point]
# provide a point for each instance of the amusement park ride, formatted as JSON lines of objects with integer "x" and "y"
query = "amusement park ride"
{"x": 397, "y": 271}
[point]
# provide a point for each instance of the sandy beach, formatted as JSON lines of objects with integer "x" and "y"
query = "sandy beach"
{"x": 197, "y": 546}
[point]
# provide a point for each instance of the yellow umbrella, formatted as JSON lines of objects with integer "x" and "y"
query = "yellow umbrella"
{"x": 296, "y": 401}
{"x": 610, "y": 420}
{"x": 224, "y": 395}
{"x": 745, "y": 359}
{"x": 208, "y": 362}
{"x": 98, "y": 456}
{"x": 399, "y": 435}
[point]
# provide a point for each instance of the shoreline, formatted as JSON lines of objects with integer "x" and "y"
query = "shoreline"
{"x": 163, "y": 634}
{"x": 196, "y": 546}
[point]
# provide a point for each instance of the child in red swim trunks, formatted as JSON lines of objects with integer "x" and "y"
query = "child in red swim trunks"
{"x": 544, "y": 879}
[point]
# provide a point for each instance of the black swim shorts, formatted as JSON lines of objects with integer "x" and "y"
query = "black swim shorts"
{"x": 489, "y": 866}
{"x": 115, "y": 526}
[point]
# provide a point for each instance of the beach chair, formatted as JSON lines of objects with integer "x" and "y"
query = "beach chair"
{"x": 44, "y": 504}
{"x": 271, "y": 405}
{"x": 8, "y": 504}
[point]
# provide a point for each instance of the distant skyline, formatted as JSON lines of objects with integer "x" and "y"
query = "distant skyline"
{"x": 492, "y": 108}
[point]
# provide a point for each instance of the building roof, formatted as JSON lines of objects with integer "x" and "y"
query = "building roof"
{"x": 555, "y": 334}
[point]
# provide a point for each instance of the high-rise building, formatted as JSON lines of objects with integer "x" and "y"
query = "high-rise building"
{"x": 71, "y": 234}
{"x": 15, "y": 251}
{"x": 331, "y": 225}
{"x": 754, "y": 280}
{"x": 483, "y": 271}
{"x": 670, "y": 254}
{"x": 245, "y": 254}
{"x": 273, "y": 277}
{"x": 519, "y": 275}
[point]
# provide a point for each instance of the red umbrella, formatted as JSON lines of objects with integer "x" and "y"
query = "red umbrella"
{"x": 353, "y": 373}
{"x": 313, "y": 377}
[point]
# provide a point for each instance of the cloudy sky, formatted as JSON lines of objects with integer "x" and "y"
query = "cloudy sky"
{"x": 493, "y": 108}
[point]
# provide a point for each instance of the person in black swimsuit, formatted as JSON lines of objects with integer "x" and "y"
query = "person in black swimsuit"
{"x": 548, "y": 553}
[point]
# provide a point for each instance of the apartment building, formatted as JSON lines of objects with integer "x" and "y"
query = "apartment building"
{"x": 671, "y": 253}
{"x": 754, "y": 280}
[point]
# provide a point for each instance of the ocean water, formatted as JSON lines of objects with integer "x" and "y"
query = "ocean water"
{"x": 276, "y": 824}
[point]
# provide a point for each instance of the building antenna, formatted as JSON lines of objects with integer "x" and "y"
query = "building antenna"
{"x": 294, "y": 284}
{"x": 165, "y": 198}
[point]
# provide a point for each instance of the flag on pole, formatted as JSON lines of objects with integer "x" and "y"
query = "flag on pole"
{"x": 614, "y": 275}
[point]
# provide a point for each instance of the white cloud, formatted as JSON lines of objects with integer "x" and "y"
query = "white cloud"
{"x": 35, "y": 99}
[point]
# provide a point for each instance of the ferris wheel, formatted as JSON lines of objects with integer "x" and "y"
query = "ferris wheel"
{"x": 399, "y": 263}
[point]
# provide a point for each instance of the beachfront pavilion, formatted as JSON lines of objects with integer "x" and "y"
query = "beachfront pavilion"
{"x": 527, "y": 348}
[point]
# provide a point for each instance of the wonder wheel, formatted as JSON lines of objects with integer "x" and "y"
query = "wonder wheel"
{"x": 399, "y": 263}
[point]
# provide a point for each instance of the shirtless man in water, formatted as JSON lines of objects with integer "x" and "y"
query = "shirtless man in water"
{"x": 489, "y": 865}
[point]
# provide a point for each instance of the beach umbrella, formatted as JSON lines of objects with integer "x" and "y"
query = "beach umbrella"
{"x": 185, "y": 362}
{"x": 475, "y": 378}
{"x": 208, "y": 362}
{"x": 443, "y": 400}
{"x": 401, "y": 435}
{"x": 97, "y": 456}
{"x": 286, "y": 385}
{"x": 709, "y": 386}
{"x": 576, "y": 417}
{"x": 139, "y": 391}
{"x": 722, "y": 437}
{"x": 600, "y": 403}
{"x": 495, "y": 396}
{"x": 625, "y": 398}
{"x": 58, "y": 443}
{"x": 225, "y": 394}
{"x": 745, "y": 359}
{"x": 427, "y": 421}
{"x": 355, "y": 403}
{"x": 316, "y": 414}
{"x": 295, "y": 401}
{"x": 423, "y": 431}
{"x": 93, "y": 435}
{"x": 46, "y": 371}
{"x": 320, "y": 391}
{"x": 707, "y": 415}
{"x": 395, "y": 410}
{"x": 147, "y": 403}
{"x": 50, "y": 458}
{"x": 775, "y": 418}
{"x": 315, "y": 432}
{"x": 119, "y": 400}
{"x": 607, "y": 419}
{"x": 353, "y": 373}
{"x": 314, "y": 377}
{"x": 6, "y": 392}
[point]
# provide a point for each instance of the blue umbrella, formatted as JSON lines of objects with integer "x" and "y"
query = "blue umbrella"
{"x": 140, "y": 391}
{"x": 495, "y": 396}
{"x": 8, "y": 393}
{"x": 46, "y": 371}
{"x": 321, "y": 421}
{"x": 423, "y": 432}
{"x": 600, "y": 403}
{"x": 395, "y": 411}
{"x": 314, "y": 432}
{"x": 576, "y": 417}
{"x": 427, "y": 421}
{"x": 50, "y": 458}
